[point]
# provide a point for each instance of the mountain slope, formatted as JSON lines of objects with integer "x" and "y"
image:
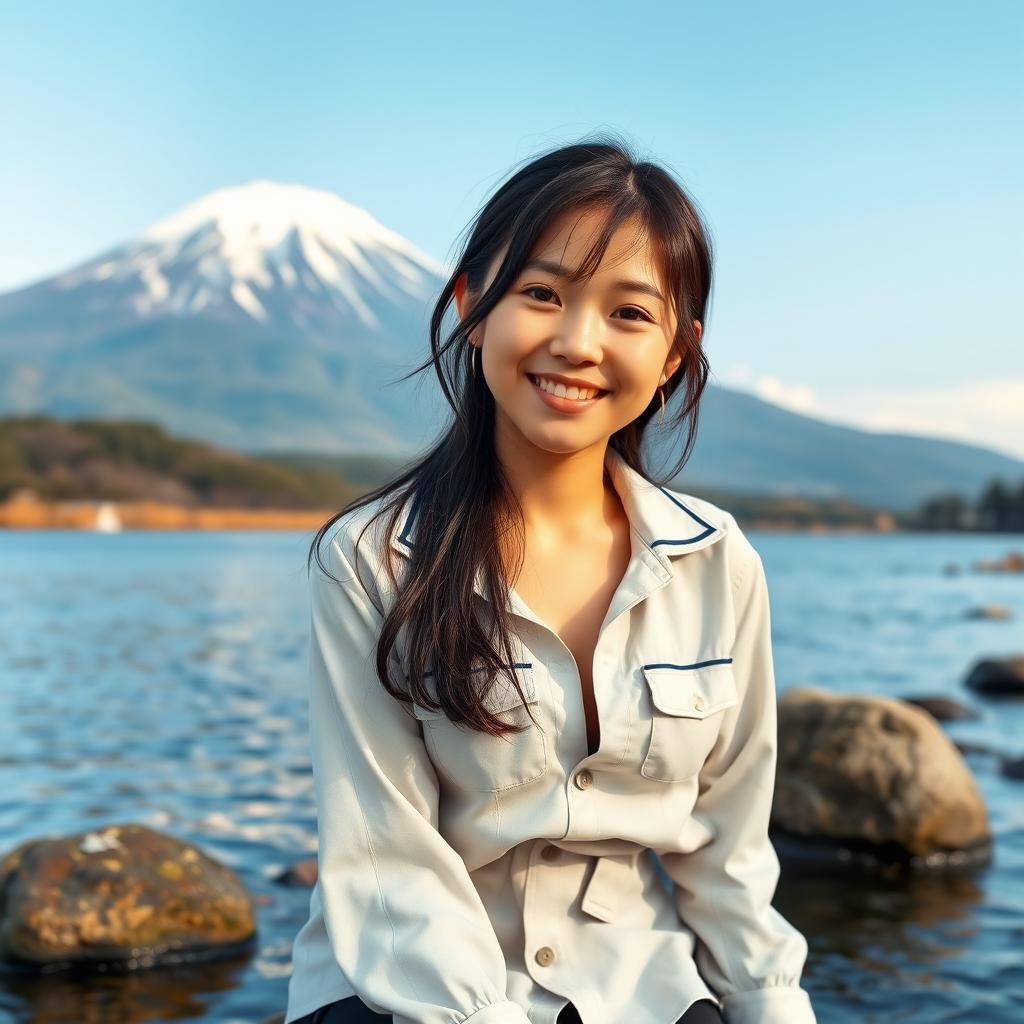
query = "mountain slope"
{"x": 256, "y": 317}
{"x": 748, "y": 444}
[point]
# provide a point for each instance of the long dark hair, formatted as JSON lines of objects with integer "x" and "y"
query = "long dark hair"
{"x": 463, "y": 501}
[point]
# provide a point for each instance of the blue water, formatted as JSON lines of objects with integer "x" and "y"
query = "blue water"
{"x": 159, "y": 678}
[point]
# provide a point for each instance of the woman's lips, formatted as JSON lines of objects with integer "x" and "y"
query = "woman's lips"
{"x": 564, "y": 404}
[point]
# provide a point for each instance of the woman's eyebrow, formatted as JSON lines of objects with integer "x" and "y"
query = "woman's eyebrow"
{"x": 630, "y": 284}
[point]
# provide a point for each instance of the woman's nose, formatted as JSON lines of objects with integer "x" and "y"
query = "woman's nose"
{"x": 579, "y": 337}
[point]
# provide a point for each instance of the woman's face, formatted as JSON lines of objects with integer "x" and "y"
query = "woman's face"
{"x": 610, "y": 332}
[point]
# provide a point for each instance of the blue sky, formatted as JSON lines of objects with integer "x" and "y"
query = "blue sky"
{"x": 859, "y": 166}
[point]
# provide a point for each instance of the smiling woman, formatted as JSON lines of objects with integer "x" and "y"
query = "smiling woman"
{"x": 558, "y": 317}
{"x": 536, "y": 673}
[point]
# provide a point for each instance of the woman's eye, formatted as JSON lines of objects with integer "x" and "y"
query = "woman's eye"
{"x": 638, "y": 318}
{"x": 641, "y": 315}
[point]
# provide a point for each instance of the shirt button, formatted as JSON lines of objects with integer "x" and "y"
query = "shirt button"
{"x": 544, "y": 956}
{"x": 583, "y": 779}
{"x": 551, "y": 852}
{"x": 698, "y": 703}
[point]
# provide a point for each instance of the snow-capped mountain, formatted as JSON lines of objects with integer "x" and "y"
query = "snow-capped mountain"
{"x": 253, "y": 306}
{"x": 261, "y": 251}
{"x": 276, "y": 317}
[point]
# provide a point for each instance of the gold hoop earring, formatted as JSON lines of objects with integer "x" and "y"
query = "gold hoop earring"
{"x": 661, "y": 418}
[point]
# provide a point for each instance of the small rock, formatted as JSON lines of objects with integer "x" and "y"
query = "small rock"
{"x": 943, "y": 709}
{"x": 874, "y": 772}
{"x": 124, "y": 897}
{"x": 997, "y": 677}
{"x": 302, "y": 873}
{"x": 994, "y": 612}
{"x": 1013, "y": 561}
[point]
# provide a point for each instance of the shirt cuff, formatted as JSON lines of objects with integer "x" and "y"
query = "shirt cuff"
{"x": 783, "y": 1004}
{"x": 505, "y": 1012}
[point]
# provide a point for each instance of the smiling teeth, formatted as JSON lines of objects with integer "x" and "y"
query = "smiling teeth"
{"x": 561, "y": 391}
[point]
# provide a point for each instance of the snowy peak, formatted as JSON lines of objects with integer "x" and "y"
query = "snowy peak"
{"x": 258, "y": 217}
{"x": 264, "y": 251}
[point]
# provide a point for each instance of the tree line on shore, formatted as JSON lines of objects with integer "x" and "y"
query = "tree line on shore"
{"x": 998, "y": 508}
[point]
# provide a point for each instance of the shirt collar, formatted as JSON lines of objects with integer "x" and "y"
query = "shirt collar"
{"x": 669, "y": 522}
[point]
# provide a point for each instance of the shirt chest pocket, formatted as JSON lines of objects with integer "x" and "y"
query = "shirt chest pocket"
{"x": 476, "y": 761}
{"x": 687, "y": 704}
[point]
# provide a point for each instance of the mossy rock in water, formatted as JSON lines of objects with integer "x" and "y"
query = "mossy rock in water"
{"x": 124, "y": 896}
{"x": 874, "y": 779}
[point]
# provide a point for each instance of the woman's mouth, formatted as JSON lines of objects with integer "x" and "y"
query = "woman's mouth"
{"x": 569, "y": 400}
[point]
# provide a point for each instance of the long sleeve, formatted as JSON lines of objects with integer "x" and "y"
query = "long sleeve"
{"x": 747, "y": 951}
{"x": 404, "y": 919}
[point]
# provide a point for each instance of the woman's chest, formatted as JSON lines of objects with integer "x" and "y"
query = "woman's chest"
{"x": 571, "y": 596}
{"x": 637, "y": 673}
{"x": 570, "y": 590}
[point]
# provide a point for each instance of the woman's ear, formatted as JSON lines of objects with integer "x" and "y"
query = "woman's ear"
{"x": 462, "y": 306}
{"x": 674, "y": 358}
{"x": 460, "y": 295}
{"x": 671, "y": 365}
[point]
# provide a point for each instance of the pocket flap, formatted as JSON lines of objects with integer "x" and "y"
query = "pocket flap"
{"x": 501, "y": 696}
{"x": 615, "y": 878}
{"x": 692, "y": 691}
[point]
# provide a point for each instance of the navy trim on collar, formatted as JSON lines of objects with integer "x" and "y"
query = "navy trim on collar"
{"x": 409, "y": 521}
{"x": 709, "y": 529}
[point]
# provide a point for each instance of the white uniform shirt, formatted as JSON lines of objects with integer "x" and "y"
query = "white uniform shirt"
{"x": 469, "y": 877}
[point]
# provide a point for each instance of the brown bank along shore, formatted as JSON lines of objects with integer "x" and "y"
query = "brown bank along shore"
{"x": 27, "y": 512}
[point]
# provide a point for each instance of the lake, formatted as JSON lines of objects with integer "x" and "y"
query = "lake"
{"x": 160, "y": 678}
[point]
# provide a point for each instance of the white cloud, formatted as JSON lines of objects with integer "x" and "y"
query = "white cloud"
{"x": 799, "y": 397}
{"x": 989, "y": 412}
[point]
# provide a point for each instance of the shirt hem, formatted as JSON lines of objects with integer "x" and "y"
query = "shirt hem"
{"x": 301, "y": 1011}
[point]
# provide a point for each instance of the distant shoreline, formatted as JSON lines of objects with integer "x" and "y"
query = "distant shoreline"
{"x": 121, "y": 516}
{"x": 30, "y": 513}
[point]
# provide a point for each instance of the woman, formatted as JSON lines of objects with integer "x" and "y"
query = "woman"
{"x": 542, "y": 706}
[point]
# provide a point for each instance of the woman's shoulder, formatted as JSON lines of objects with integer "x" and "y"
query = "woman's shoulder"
{"x": 727, "y": 541}
{"x": 358, "y": 544}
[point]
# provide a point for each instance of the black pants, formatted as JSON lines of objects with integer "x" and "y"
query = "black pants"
{"x": 354, "y": 1011}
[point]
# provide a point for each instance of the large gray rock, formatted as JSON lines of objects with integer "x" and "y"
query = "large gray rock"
{"x": 873, "y": 772}
{"x": 124, "y": 895}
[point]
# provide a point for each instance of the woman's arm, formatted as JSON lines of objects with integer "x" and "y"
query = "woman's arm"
{"x": 405, "y": 922}
{"x": 747, "y": 952}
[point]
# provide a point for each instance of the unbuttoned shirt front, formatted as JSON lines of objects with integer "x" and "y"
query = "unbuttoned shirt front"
{"x": 464, "y": 876}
